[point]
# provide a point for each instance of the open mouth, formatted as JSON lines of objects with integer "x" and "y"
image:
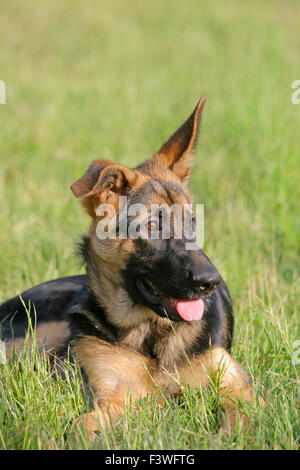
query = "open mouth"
{"x": 188, "y": 310}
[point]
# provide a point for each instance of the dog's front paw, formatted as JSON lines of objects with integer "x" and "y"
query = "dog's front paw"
{"x": 89, "y": 426}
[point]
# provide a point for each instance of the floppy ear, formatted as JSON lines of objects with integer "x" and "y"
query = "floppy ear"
{"x": 86, "y": 183}
{"x": 103, "y": 182}
{"x": 177, "y": 153}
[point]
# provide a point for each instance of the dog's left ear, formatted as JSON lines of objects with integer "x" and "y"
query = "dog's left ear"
{"x": 177, "y": 153}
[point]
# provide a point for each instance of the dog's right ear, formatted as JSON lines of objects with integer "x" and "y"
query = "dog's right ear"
{"x": 86, "y": 183}
{"x": 103, "y": 182}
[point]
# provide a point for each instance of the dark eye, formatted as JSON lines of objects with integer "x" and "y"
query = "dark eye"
{"x": 153, "y": 225}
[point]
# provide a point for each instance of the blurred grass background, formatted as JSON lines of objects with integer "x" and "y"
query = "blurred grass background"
{"x": 114, "y": 80}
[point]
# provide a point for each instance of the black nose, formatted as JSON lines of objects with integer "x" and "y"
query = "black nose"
{"x": 205, "y": 280}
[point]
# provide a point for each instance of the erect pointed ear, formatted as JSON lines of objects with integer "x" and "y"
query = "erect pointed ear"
{"x": 177, "y": 153}
{"x": 103, "y": 182}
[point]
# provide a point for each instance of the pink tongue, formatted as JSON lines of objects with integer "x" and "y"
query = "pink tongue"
{"x": 190, "y": 310}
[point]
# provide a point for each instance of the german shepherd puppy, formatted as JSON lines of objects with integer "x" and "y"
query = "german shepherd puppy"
{"x": 150, "y": 314}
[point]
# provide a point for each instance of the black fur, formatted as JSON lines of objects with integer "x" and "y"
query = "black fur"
{"x": 70, "y": 298}
{"x": 50, "y": 301}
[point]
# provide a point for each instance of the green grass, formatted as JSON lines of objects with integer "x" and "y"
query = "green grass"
{"x": 114, "y": 80}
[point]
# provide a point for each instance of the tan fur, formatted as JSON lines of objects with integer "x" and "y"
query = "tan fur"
{"x": 135, "y": 337}
{"x": 50, "y": 336}
{"x": 177, "y": 153}
{"x": 122, "y": 371}
{"x": 173, "y": 341}
{"x": 119, "y": 375}
{"x": 108, "y": 257}
{"x": 107, "y": 284}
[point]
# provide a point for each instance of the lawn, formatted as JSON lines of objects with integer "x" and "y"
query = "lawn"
{"x": 114, "y": 80}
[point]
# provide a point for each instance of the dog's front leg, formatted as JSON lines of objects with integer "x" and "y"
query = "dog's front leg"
{"x": 234, "y": 385}
{"x": 114, "y": 374}
{"x": 216, "y": 365}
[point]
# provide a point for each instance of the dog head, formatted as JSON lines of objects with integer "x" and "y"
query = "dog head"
{"x": 155, "y": 269}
